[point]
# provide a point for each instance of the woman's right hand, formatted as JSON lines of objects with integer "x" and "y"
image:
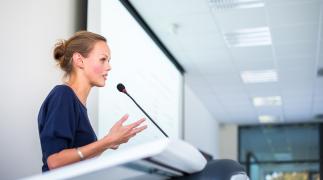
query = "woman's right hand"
{"x": 119, "y": 133}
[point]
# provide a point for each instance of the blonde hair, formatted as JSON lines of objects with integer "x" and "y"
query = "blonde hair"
{"x": 81, "y": 42}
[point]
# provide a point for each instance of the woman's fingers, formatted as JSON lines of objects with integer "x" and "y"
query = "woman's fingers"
{"x": 123, "y": 119}
{"x": 123, "y": 133}
{"x": 139, "y": 129}
{"x": 137, "y": 123}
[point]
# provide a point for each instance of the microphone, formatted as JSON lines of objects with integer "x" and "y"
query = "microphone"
{"x": 122, "y": 89}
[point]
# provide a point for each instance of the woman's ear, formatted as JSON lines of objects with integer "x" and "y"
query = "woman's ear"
{"x": 78, "y": 60}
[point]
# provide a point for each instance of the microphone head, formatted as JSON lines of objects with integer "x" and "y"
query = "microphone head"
{"x": 121, "y": 88}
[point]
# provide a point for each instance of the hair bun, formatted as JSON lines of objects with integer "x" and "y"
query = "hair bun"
{"x": 59, "y": 50}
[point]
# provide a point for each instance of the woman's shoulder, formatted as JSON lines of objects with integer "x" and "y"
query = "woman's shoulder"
{"x": 61, "y": 91}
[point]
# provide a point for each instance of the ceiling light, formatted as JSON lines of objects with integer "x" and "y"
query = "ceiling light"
{"x": 248, "y": 37}
{"x": 267, "y": 101}
{"x": 236, "y": 4}
{"x": 267, "y": 119}
{"x": 260, "y": 76}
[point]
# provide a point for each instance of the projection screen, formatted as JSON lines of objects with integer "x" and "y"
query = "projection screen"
{"x": 137, "y": 62}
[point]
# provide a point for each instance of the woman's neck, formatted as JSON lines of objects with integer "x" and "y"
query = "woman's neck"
{"x": 80, "y": 88}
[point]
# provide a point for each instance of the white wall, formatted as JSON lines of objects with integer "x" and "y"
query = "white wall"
{"x": 29, "y": 30}
{"x": 200, "y": 128}
{"x": 228, "y": 143}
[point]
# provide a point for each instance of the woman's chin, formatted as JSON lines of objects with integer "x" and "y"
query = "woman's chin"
{"x": 100, "y": 84}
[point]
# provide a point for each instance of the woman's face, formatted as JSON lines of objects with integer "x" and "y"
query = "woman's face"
{"x": 96, "y": 65}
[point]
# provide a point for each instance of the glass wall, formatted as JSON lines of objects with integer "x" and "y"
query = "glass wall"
{"x": 280, "y": 152}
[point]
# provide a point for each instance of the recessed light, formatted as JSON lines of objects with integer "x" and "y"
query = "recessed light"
{"x": 248, "y": 37}
{"x": 259, "y": 76}
{"x": 267, "y": 119}
{"x": 267, "y": 101}
{"x": 236, "y": 4}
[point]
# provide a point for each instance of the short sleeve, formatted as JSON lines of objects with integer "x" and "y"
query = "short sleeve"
{"x": 58, "y": 123}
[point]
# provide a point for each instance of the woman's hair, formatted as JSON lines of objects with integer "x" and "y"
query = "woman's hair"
{"x": 81, "y": 42}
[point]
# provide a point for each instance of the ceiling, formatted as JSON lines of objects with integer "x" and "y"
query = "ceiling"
{"x": 194, "y": 31}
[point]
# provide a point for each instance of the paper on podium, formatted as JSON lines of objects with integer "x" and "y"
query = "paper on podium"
{"x": 172, "y": 153}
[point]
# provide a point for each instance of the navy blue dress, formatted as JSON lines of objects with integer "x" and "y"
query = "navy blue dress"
{"x": 63, "y": 123}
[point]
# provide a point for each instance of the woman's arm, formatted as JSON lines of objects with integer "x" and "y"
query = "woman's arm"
{"x": 117, "y": 135}
{"x": 69, "y": 156}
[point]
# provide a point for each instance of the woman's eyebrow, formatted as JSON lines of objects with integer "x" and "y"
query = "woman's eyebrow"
{"x": 105, "y": 55}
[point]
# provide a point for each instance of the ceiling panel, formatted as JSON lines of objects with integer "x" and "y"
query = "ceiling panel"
{"x": 290, "y": 63}
{"x": 244, "y": 117}
{"x": 292, "y": 33}
{"x": 237, "y": 104}
{"x": 191, "y": 23}
{"x": 297, "y": 101}
{"x": 318, "y": 91}
{"x": 296, "y": 96}
{"x": 294, "y": 13}
{"x": 185, "y": 25}
{"x": 318, "y": 99}
{"x": 170, "y": 7}
{"x": 215, "y": 107}
{"x": 171, "y": 41}
{"x": 226, "y": 86}
{"x": 297, "y": 109}
{"x": 319, "y": 83}
{"x": 318, "y": 107}
{"x": 292, "y": 84}
{"x": 297, "y": 49}
{"x": 218, "y": 54}
{"x": 287, "y": 76}
{"x": 239, "y": 109}
{"x": 263, "y": 89}
{"x": 287, "y": 2}
{"x": 216, "y": 68}
{"x": 205, "y": 41}
{"x": 293, "y": 93}
{"x": 225, "y": 79}
{"x": 273, "y": 110}
{"x": 197, "y": 82}
{"x": 320, "y": 58}
{"x": 254, "y": 64}
{"x": 239, "y": 100}
{"x": 298, "y": 113}
{"x": 244, "y": 53}
{"x": 242, "y": 18}
{"x": 219, "y": 90}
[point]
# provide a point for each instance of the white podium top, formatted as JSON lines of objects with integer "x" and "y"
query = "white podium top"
{"x": 172, "y": 153}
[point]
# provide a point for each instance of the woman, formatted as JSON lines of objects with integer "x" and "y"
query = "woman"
{"x": 65, "y": 131}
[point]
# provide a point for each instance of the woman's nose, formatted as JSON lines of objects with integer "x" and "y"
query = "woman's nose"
{"x": 108, "y": 67}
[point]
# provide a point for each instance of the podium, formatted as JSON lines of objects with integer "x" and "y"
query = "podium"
{"x": 160, "y": 159}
